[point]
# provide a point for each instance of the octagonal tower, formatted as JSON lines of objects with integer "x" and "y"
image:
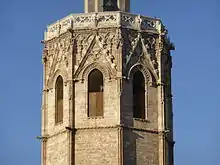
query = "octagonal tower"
{"x": 107, "y": 88}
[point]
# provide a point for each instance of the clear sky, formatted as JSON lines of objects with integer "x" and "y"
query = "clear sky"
{"x": 194, "y": 28}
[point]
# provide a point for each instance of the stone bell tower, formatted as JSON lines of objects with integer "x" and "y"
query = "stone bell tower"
{"x": 107, "y": 89}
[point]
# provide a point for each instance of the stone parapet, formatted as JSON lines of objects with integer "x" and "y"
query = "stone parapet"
{"x": 103, "y": 20}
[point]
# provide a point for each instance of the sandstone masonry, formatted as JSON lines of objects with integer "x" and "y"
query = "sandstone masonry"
{"x": 118, "y": 44}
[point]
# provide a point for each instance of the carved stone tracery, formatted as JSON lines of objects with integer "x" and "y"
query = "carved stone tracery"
{"x": 130, "y": 41}
{"x": 139, "y": 67}
{"x": 88, "y": 68}
{"x": 139, "y": 48}
{"x": 102, "y": 20}
{"x": 83, "y": 41}
{"x": 58, "y": 53}
{"x": 99, "y": 47}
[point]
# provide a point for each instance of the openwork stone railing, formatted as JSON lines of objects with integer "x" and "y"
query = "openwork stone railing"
{"x": 102, "y": 20}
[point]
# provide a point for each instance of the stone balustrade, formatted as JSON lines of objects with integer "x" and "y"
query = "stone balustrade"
{"x": 102, "y": 20}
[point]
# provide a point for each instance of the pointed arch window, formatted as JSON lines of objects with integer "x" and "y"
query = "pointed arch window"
{"x": 138, "y": 95}
{"x": 59, "y": 100}
{"x": 95, "y": 93}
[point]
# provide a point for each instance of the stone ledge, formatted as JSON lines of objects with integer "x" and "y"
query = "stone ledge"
{"x": 120, "y": 126}
{"x": 103, "y": 20}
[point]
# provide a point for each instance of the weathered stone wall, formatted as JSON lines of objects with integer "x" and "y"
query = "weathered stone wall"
{"x": 151, "y": 122}
{"x": 57, "y": 142}
{"x": 126, "y": 104}
{"x": 151, "y": 107}
{"x": 97, "y": 147}
{"x": 57, "y": 149}
{"x": 140, "y": 148}
{"x": 53, "y": 128}
{"x": 111, "y": 107}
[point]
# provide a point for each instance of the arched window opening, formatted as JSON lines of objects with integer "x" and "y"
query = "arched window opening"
{"x": 138, "y": 95}
{"x": 95, "y": 93}
{"x": 59, "y": 100}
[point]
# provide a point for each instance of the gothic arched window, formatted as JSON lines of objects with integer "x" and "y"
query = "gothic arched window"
{"x": 138, "y": 95}
{"x": 95, "y": 93}
{"x": 59, "y": 100}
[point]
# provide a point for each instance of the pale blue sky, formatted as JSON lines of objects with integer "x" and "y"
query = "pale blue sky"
{"x": 194, "y": 28}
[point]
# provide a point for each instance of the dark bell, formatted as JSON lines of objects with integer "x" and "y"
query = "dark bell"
{"x": 110, "y": 5}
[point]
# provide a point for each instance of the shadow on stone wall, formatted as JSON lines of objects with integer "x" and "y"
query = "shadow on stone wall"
{"x": 130, "y": 147}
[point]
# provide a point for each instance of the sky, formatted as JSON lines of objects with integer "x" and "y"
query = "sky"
{"x": 193, "y": 26}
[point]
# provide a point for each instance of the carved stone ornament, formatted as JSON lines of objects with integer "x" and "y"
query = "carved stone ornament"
{"x": 95, "y": 47}
{"x": 59, "y": 51}
{"x": 130, "y": 41}
{"x": 102, "y": 20}
{"x": 141, "y": 49}
{"x": 82, "y": 41}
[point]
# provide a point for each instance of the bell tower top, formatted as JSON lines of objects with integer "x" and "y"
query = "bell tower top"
{"x": 106, "y": 5}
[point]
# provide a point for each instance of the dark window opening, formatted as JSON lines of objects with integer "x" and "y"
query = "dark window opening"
{"x": 138, "y": 95}
{"x": 110, "y": 5}
{"x": 59, "y": 100}
{"x": 95, "y": 94}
